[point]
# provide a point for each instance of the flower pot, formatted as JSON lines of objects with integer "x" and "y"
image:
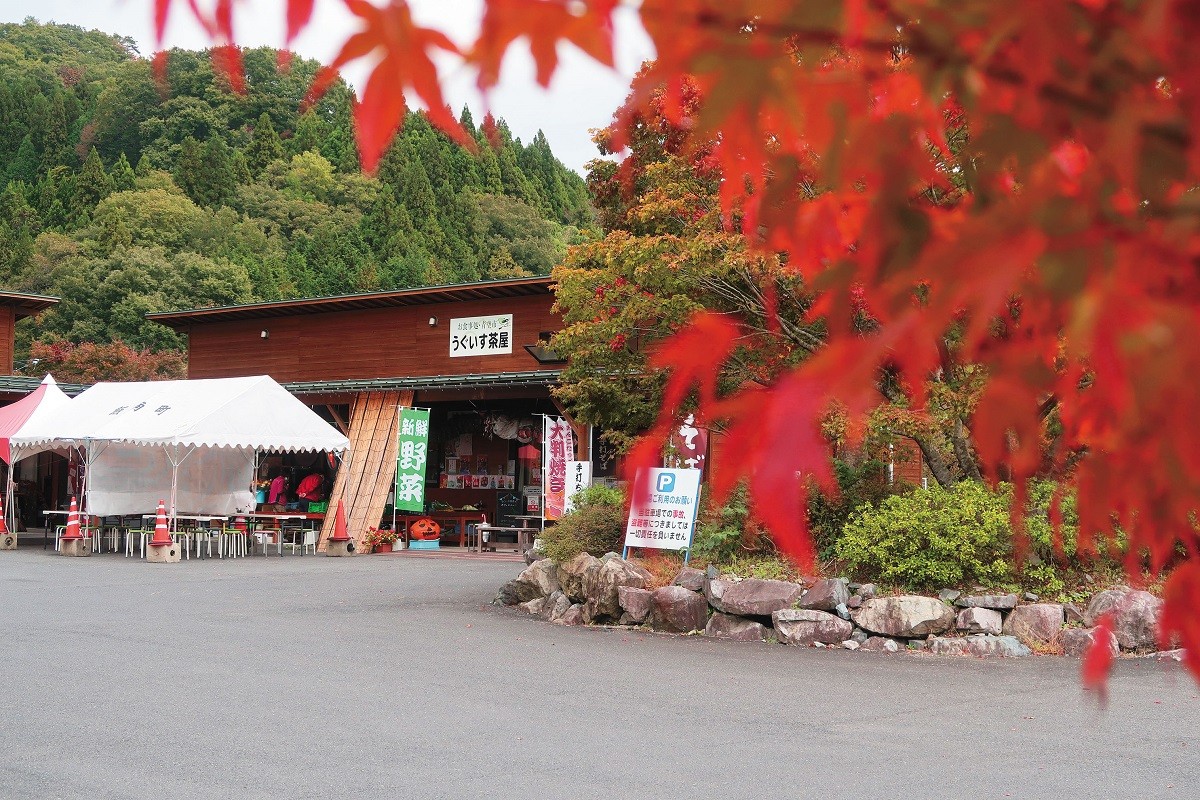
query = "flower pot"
{"x": 382, "y": 547}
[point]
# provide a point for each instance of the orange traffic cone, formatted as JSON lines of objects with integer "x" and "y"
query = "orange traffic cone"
{"x": 340, "y": 544}
{"x": 339, "y": 525}
{"x": 162, "y": 536}
{"x": 72, "y": 531}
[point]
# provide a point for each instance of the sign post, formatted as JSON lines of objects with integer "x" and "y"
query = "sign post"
{"x": 666, "y": 516}
{"x": 412, "y": 457}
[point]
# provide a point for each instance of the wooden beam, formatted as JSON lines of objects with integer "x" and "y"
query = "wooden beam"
{"x": 341, "y": 424}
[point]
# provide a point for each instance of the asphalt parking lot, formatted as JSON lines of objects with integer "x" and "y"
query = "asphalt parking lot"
{"x": 393, "y": 676}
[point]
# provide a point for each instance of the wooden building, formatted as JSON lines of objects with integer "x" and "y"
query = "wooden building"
{"x": 41, "y": 482}
{"x": 15, "y": 307}
{"x": 472, "y": 353}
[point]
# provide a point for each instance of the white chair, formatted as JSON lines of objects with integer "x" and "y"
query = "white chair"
{"x": 303, "y": 540}
{"x": 265, "y": 539}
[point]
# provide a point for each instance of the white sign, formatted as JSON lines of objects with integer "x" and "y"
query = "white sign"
{"x": 579, "y": 477}
{"x": 667, "y": 515}
{"x": 481, "y": 336}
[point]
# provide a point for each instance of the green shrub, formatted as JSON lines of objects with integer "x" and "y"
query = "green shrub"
{"x": 859, "y": 485}
{"x": 721, "y": 530}
{"x": 934, "y": 538}
{"x": 596, "y": 525}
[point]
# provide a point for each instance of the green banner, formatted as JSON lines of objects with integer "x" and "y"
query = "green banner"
{"x": 413, "y": 455}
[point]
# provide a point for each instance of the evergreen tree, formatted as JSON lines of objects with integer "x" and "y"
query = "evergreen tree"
{"x": 143, "y": 168}
{"x": 339, "y": 148}
{"x": 189, "y": 168}
{"x": 92, "y": 185}
{"x": 122, "y": 175}
{"x": 241, "y": 171}
{"x": 513, "y": 179}
{"x": 265, "y": 145}
{"x": 467, "y": 121}
{"x": 49, "y": 129}
{"x": 217, "y": 176}
{"x": 24, "y": 165}
{"x": 18, "y": 226}
{"x": 491, "y": 180}
{"x": 310, "y": 133}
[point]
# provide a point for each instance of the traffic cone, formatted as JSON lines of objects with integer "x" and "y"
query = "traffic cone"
{"x": 162, "y": 535}
{"x": 73, "y": 542}
{"x": 340, "y": 544}
{"x": 339, "y": 525}
{"x": 162, "y": 549}
{"x": 8, "y": 541}
{"x": 73, "y": 522}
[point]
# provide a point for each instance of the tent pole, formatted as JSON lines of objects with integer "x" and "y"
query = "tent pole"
{"x": 173, "y": 455}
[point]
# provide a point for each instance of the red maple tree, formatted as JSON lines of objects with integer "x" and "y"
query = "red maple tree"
{"x": 1057, "y": 226}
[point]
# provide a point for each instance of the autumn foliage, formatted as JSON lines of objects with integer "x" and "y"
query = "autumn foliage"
{"x": 89, "y": 362}
{"x": 1026, "y": 172}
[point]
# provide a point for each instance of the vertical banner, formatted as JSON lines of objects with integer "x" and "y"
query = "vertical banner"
{"x": 687, "y": 446}
{"x": 666, "y": 516}
{"x": 579, "y": 477}
{"x": 411, "y": 459}
{"x": 558, "y": 447}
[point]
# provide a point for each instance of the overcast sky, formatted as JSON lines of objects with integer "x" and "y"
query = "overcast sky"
{"x": 583, "y": 94}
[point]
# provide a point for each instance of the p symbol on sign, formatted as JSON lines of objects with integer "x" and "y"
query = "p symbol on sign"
{"x": 666, "y": 482}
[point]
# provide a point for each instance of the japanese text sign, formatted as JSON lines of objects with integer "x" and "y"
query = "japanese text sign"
{"x": 666, "y": 515}
{"x": 411, "y": 459}
{"x": 579, "y": 477}
{"x": 481, "y": 336}
{"x": 558, "y": 447}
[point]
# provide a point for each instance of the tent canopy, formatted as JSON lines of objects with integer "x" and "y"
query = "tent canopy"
{"x": 254, "y": 413}
{"x": 44, "y": 401}
{"x": 192, "y": 441}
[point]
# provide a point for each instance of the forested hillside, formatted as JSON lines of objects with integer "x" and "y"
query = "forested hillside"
{"x": 122, "y": 195}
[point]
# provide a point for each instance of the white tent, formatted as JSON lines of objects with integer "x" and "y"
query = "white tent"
{"x": 192, "y": 441}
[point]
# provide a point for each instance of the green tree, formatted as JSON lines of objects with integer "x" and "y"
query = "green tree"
{"x": 92, "y": 185}
{"x": 24, "y": 164}
{"x": 265, "y": 146}
{"x": 123, "y": 178}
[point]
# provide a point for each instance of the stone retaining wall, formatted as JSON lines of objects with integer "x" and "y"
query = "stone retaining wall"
{"x": 827, "y": 612}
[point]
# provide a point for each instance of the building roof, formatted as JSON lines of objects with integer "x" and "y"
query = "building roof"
{"x": 27, "y": 305}
{"x": 21, "y": 384}
{"x": 483, "y": 290}
{"x": 428, "y": 382}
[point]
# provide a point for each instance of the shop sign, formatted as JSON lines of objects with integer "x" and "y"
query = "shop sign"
{"x": 481, "y": 336}
{"x": 558, "y": 447}
{"x": 579, "y": 477}
{"x": 665, "y": 516}
{"x": 411, "y": 459}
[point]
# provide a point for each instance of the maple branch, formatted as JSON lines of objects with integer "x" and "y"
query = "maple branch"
{"x": 915, "y": 42}
{"x": 933, "y": 457}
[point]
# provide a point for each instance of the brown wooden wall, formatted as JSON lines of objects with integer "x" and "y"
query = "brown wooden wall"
{"x": 7, "y": 334}
{"x": 360, "y": 344}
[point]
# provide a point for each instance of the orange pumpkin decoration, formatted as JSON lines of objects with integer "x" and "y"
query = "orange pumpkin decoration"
{"x": 425, "y": 529}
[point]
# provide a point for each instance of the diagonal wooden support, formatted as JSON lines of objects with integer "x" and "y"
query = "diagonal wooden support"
{"x": 369, "y": 465}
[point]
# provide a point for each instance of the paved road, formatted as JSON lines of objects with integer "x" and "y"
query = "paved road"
{"x": 391, "y": 676}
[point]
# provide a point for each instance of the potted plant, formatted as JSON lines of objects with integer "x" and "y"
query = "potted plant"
{"x": 380, "y": 540}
